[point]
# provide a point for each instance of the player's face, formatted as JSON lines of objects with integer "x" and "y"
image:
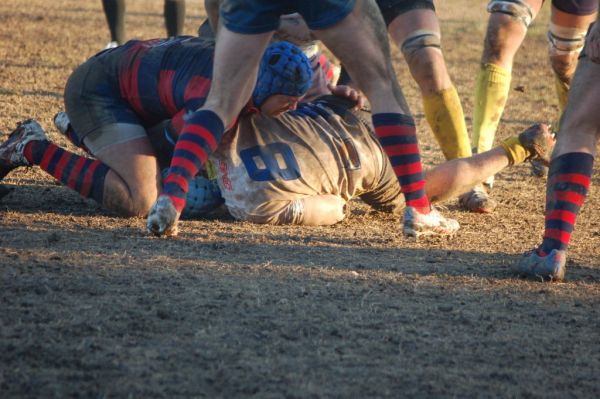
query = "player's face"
{"x": 277, "y": 104}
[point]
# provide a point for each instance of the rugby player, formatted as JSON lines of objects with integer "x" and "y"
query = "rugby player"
{"x": 353, "y": 31}
{"x": 507, "y": 28}
{"x": 115, "y": 97}
{"x": 571, "y": 166}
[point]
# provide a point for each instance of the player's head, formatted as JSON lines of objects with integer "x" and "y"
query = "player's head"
{"x": 284, "y": 77}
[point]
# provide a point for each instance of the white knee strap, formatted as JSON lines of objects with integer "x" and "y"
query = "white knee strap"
{"x": 515, "y": 8}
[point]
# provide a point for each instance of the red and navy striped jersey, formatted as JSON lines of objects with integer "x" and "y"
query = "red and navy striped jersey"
{"x": 162, "y": 78}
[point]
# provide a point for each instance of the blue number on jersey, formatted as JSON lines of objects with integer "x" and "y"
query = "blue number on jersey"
{"x": 270, "y": 168}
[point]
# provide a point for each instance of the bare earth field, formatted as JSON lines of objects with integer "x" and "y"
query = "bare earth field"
{"x": 92, "y": 306}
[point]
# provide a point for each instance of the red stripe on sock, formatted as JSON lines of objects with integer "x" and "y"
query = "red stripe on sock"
{"x": 179, "y": 180}
{"x": 178, "y": 203}
{"x": 73, "y": 177}
{"x": 60, "y": 166}
{"x": 571, "y": 178}
{"x": 401, "y": 149}
{"x": 188, "y": 165}
{"x": 408, "y": 169}
{"x": 557, "y": 234}
{"x": 395, "y": 130}
{"x": 565, "y": 216}
{"x": 421, "y": 204}
{"x": 201, "y": 131}
{"x": 48, "y": 154}
{"x": 88, "y": 175}
{"x": 409, "y": 188}
{"x": 568, "y": 196}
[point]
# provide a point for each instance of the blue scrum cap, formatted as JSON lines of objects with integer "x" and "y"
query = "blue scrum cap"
{"x": 284, "y": 69}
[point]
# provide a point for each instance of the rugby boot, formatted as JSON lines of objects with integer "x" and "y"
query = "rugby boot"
{"x": 477, "y": 200}
{"x": 163, "y": 218}
{"x": 550, "y": 267}
{"x": 62, "y": 122}
{"x": 538, "y": 139}
{"x": 12, "y": 151}
{"x": 417, "y": 224}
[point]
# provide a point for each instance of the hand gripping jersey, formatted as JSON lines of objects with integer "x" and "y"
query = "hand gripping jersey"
{"x": 270, "y": 169}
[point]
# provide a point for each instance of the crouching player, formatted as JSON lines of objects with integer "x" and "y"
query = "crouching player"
{"x": 115, "y": 98}
{"x": 570, "y": 170}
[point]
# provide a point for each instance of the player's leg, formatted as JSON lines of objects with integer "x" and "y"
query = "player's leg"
{"x": 416, "y": 31}
{"x": 114, "y": 10}
{"x": 507, "y": 27}
{"x": 122, "y": 178}
{"x": 569, "y": 22}
{"x": 244, "y": 32}
{"x": 569, "y": 174}
{"x": 174, "y": 17}
{"x": 360, "y": 42}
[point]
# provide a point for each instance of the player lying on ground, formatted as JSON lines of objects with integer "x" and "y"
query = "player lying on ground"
{"x": 114, "y": 97}
{"x": 571, "y": 166}
{"x": 304, "y": 166}
{"x": 353, "y": 31}
{"x": 507, "y": 28}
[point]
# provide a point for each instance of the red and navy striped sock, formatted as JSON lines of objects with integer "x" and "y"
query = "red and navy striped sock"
{"x": 567, "y": 187}
{"x": 199, "y": 138}
{"x": 398, "y": 137}
{"x": 84, "y": 175}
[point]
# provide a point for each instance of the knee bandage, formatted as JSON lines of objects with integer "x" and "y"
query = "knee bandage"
{"x": 563, "y": 40}
{"x": 515, "y": 8}
{"x": 420, "y": 39}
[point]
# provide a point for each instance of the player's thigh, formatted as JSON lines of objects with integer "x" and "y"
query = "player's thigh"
{"x": 360, "y": 42}
{"x": 407, "y": 22}
{"x": 126, "y": 149}
{"x": 574, "y": 13}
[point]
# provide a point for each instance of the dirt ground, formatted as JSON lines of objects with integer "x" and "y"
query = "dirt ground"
{"x": 92, "y": 306}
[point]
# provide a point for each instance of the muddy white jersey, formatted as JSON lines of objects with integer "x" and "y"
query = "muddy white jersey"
{"x": 303, "y": 166}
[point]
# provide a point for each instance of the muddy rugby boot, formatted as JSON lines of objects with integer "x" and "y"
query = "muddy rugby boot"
{"x": 477, "y": 200}
{"x": 417, "y": 224}
{"x": 12, "y": 150}
{"x": 549, "y": 267}
{"x": 163, "y": 217}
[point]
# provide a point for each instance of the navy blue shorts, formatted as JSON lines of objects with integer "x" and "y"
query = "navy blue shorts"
{"x": 93, "y": 99}
{"x": 260, "y": 16}
{"x": 390, "y": 9}
{"x": 576, "y": 7}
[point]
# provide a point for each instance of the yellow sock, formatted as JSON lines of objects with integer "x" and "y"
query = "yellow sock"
{"x": 491, "y": 92}
{"x": 515, "y": 151}
{"x": 562, "y": 89}
{"x": 447, "y": 121}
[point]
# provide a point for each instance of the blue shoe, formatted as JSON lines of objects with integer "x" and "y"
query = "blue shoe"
{"x": 549, "y": 267}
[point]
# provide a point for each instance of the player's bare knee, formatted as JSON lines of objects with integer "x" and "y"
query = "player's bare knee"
{"x": 564, "y": 46}
{"x": 509, "y": 20}
{"x": 422, "y": 51}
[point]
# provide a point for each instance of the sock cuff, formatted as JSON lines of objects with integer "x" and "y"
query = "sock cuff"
{"x": 392, "y": 118}
{"x": 496, "y": 74}
{"x": 571, "y": 162}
